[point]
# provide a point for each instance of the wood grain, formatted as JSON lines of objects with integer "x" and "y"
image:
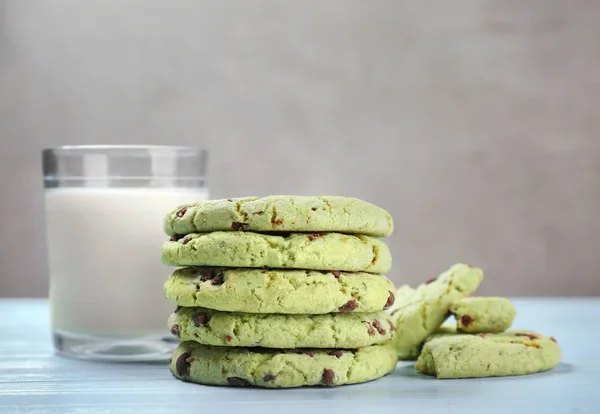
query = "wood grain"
{"x": 34, "y": 380}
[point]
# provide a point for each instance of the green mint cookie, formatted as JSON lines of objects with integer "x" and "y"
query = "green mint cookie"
{"x": 281, "y": 213}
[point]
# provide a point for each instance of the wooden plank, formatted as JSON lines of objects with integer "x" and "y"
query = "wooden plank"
{"x": 35, "y": 380}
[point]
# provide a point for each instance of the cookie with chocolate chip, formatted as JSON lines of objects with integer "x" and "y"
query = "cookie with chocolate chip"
{"x": 483, "y": 314}
{"x": 488, "y": 355}
{"x": 279, "y": 291}
{"x": 270, "y": 368}
{"x": 306, "y": 214}
{"x": 334, "y": 330}
{"x": 353, "y": 253}
{"x": 422, "y": 311}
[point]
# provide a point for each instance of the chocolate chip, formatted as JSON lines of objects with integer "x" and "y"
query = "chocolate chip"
{"x": 328, "y": 376}
{"x": 336, "y": 273}
{"x": 219, "y": 279}
{"x": 177, "y": 309}
{"x": 237, "y": 226}
{"x": 276, "y": 221}
{"x": 528, "y": 335}
{"x": 269, "y": 377}
{"x": 370, "y": 329}
{"x": 237, "y": 381}
{"x": 430, "y": 280}
{"x": 181, "y": 212}
{"x": 313, "y": 236}
{"x": 176, "y": 237}
{"x": 314, "y": 209}
{"x": 309, "y": 353}
{"x": 228, "y": 338}
{"x": 392, "y": 326}
{"x": 337, "y": 354}
{"x": 553, "y": 339}
{"x": 349, "y": 306}
{"x": 377, "y": 325}
{"x": 258, "y": 213}
{"x": 200, "y": 319}
{"x": 182, "y": 366}
{"x": 175, "y": 331}
{"x": 186, "y": 240}
{"x": 466, "y": 320}
{"x": 230, "y": 200}
{"x": 206, "y": 274}
{"x": 390, "y": 301}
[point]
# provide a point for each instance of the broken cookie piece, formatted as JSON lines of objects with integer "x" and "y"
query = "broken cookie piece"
{"x": 483, "y": 314}
{"x": 488, "y": 355}
{"x": 420, "y": 312}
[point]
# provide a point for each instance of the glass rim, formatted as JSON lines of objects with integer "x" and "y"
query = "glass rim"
{"x": 187, "y": 148}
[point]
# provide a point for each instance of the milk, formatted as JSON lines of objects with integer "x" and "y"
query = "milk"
{"x": 106, "y": 277}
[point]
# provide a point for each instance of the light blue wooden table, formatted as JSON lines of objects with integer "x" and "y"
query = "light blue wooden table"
{"x": 34, "y": 380}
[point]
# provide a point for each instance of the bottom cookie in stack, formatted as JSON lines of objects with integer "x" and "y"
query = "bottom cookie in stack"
{"x": 276, "y": 368}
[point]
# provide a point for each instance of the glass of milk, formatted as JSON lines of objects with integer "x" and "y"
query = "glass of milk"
{"x": 104, "y": 212}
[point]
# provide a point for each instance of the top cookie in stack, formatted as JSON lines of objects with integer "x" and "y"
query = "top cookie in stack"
{"x": 281, "y": 214}
{"x": 291, "y": 286}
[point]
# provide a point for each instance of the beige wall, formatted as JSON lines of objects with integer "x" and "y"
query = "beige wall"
{"x": 476, "y": 123}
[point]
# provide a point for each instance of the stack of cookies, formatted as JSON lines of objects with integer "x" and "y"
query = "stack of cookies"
{"x": 282, "y": 291}
{"x": 478, "y": 343}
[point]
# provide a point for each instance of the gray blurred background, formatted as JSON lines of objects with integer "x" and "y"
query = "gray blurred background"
{"x": 475, "y": 122}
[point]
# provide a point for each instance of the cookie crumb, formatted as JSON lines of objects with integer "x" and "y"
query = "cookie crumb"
{"x": 349, "y": 306}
